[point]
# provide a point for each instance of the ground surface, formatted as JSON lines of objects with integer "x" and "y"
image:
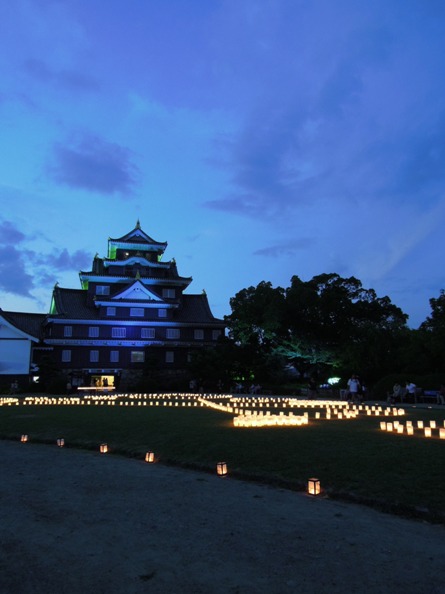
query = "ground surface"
{"x": 79, "y": 522}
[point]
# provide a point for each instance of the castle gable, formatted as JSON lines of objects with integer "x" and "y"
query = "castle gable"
{"x": 136, "y": 292}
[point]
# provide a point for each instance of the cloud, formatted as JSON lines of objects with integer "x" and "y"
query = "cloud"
{"x": 65, "y": 261}
{"x": 424, "y": 162}
{"x": 285, "y": 249}
{"x": 71, "y": 80}
{"x": 24, "y": 269}
{"x": 10, "y": 234}
{"x": 343, "y": 121}
{"x": 13, "y": 276}
{"x": 95, "y": 165}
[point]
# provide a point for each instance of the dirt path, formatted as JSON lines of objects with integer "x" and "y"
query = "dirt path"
{"x": 79, "y": 522}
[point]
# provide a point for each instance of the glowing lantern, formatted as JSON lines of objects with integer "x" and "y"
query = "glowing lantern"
{"x": 427, "y": 431}
{"x": 389, "y": 426}
{"x": 221, "y": 469}
{"x": 24, "y": 438}
{"x": 150, "y": 457}
{"x": 383, "y": 426}
{"x": 433, "y": 424}
{"x": 313, "y": 486}
{"x": 442, "y": 433}
{"x": 420, "y": 424}
{"x": 60, "y": 442}
{"x": 103, "y": 448}
{"x": 410, "y": 430}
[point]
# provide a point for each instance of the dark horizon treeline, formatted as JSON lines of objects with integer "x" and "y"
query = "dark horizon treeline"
{"x": 327, "y": 326}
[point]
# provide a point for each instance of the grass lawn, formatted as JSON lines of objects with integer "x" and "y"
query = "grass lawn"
{"x": 352, "y": 458}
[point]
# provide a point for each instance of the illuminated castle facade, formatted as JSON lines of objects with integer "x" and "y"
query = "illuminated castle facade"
{"x": 129, "y": 319}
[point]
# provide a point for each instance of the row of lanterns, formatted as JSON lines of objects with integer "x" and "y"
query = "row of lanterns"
{"x": 313, "y": 487}
{"x": 409, "y": 428}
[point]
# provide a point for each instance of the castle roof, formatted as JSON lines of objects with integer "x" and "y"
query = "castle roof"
{"x": 138, "y": 236}
{"x": 30, "y": 323}
{"x": 72, "y": 304}
{"x": 195, "y": 308}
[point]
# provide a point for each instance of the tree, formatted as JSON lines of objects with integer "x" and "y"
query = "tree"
{"x": 325, "y": 324}
{"x": 257, "y": 314}
{"x": 432, "y": 332}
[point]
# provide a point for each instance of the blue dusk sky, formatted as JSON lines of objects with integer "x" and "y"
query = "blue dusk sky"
{"x": 260, "y": 138}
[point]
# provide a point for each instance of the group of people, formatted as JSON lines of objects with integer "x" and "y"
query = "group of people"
{"x": 410, "y": 392}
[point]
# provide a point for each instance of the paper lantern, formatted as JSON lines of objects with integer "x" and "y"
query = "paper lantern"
{"x": 221, "y": 469}
{"x": 427, "y": 431}
{"x": 313, "y": 486}
{"x": 150, "y": 457}
{"x": 103, "y": 448}
{"x": 441, "y": 433}
{"x": 410, "y": 430}
{"x": 24, "y": 438}
{"x": 383, "y": 425}
{"x": 60, "y": 442}
{"x": 420, "y": 424}
{"x": 433, "y": 424}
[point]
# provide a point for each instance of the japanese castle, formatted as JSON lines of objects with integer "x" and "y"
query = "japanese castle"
{"x": 130, "y": 314}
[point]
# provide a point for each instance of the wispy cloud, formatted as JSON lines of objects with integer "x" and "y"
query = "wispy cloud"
{"x": 71, "y": 80}
{"x": 286, "y": 249}
{"x": 94, "y": 164}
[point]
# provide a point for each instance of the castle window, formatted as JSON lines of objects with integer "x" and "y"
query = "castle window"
{"x": 118, "y": 332}
{"x": 147, "y": 332}
{"x": 93, "y": 331}
{"x": 173, "y": 333}
{"x": 66, "y": 356}
{"x": 169, "y": 357}
{"x": 168, "y": 293}
{"x": 137, "y": 356}
{"x": 114, "y": 356}
{"x": 94, "y": 356}
{"x": 136, "y": 311}
{"x": 162, "y": 313}
{"x": 102, "y": 290}
{"x": 111, "y": 311}
{"x": 199, "y": 334}
{"x": 67, "y": 331}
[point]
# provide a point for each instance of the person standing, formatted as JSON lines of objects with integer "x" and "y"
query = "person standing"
{"x": 312, "y": 388}
{"x": 353, "y": 388}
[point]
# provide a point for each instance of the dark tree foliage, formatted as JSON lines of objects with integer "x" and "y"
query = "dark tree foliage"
{"x": 323, "y": 325}
{"x": 258, "y": 314}
{"x": 50, "y": 377}
{"x": 432, "y": 334}
{"x": 230, "y": 363}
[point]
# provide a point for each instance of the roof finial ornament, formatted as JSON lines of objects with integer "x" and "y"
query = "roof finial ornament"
{"x": 138, "y": 224}
{"x": 138, "y": 275}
